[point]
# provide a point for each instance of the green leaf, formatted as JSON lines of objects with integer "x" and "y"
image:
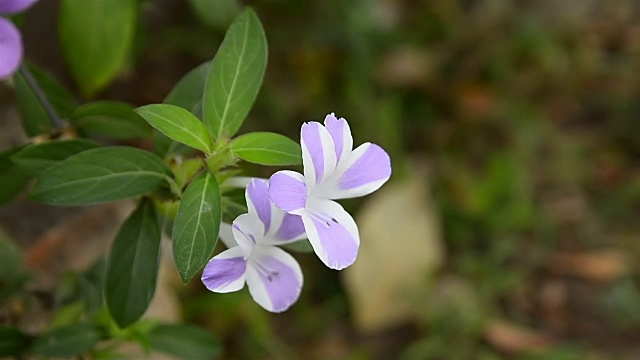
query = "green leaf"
{"x": 67, "y": 341}
{"x": 188, "y": 92}
{"x": 162, "y": 145}
{"x": 12, "y": 177}
{"x": 132, "y": 267}
{"x": 178, "y": 124}
{"x": 232, "y": 209}
{"x": 35, "y": 119}
{"x": 216, "y": 14}
{"x": 96, "y": 37}
{"x": 184, "y": 342}
{"x": 267, "y": 149}
{"x": 301, "y": 246}
{"x": 68, "y": 314}
{"x": 235, "y": 76}
{"x": 195, "y": 230}
{"x": 13, "y": 274}
{"x": 112, "y": 119}
{"x": 101, "y": 175}
{"x": 89, "y": 286}
{"x": 35, "y": 158}
{"x": 234, "y": 203}
{"x": 12, "y": 341}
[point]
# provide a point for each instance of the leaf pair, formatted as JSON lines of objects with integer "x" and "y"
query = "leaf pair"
{"x": 223, "y": 93}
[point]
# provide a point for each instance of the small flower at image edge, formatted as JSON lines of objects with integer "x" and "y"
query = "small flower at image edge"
{"x": 332, "y": 170}
{"x": 273, "y": 276}
{"x": 10, "y": 39}
{"x": 10, "y": 48}
{"x": 10, "y": 7}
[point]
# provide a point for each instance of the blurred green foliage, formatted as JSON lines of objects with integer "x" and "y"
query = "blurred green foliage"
{"x": 527, "y": 115}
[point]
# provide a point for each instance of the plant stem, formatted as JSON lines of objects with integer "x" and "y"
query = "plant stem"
{"x": 42, "y": 97}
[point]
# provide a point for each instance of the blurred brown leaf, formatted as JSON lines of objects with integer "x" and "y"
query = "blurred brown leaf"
{"x": 513, "y": 338}
{"x": 401, "y": 246}
{"x": 406, "y": 66}
{"x": 599, "y": 266}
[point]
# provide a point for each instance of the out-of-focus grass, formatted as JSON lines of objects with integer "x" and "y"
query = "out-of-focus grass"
{"x": 528, "y": 115}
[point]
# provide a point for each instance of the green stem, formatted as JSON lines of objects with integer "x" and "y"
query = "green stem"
{"x": 42, "y": 97}
{"x": 175, "y": 189}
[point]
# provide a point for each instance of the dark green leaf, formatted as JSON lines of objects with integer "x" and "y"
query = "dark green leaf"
{"x": 12, "y": 177}
{"x": 178, "y": 124}
{"x": 188, "y": 92}
{"x": 35, "y": 158}
{"x": 111, "y": 119}
{"x": 90, "y": 285}
{"x": 235, "y": 76}
{"x": 217, "y": 14}
{"x": 232, "y": 209}
{"x": 233, "y": 203}
{"x": 12, "y": 341}
{"x": 35, "y": 119}
{"x": 132, "y": 267}
{"x": 96, "y": 36}
{"x": 302, "y": 246}
{"x": 184, "y": 342}
{"x": 195, "y": 230}
{"x": 101, "y": 175}
{"x": 12, "y": 272}
{"x": 67, "y": 341}
{"x": 267, "y": 149}
{"x": 162, "y": 145}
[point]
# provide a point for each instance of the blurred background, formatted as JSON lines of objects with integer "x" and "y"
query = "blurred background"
{"x": 510, "y": 227}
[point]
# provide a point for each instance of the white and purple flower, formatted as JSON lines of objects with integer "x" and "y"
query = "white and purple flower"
{"x": 11, "y": 49}
{"x": 332, "y": 170}
{"x": 273, "y": 276}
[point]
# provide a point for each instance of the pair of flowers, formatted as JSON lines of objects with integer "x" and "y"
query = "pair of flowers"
{"x": 292, "y": 206}
{"x": 11, "y": 49}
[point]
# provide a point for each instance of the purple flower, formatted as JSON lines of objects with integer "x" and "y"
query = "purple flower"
{"x": 10, "y": 7}
{"x": 332, "y": 170}
{"x": 273, "y": 276}
{"x": 10, "y": 48}
{"x": 10, "y": 39}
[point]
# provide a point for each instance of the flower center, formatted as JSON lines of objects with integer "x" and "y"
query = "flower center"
{"x": 249, "y": 236}
{"x": 264, "y": 271}
{"x": 324, "y": 219}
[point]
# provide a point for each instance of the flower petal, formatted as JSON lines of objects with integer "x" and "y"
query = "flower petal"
{"x": 226, "y": 271}
{"x": 248, "y": 231}
{"x": 318, "y": 153}
{"x": 288, "y": 191}
{"x": 14, "y": 6}
{"x": 291, "y": 229}
{"x": 258, "y": 202}
{"x": 274, "y": 278}
{"x": 332, "y": 232}
{"x": 367, "y": 169}
{"x": 10, "y": 48}
{"x": 226, "y": 235}
{"x": 341, "y": 135}
{"x": 286, "y": 228}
